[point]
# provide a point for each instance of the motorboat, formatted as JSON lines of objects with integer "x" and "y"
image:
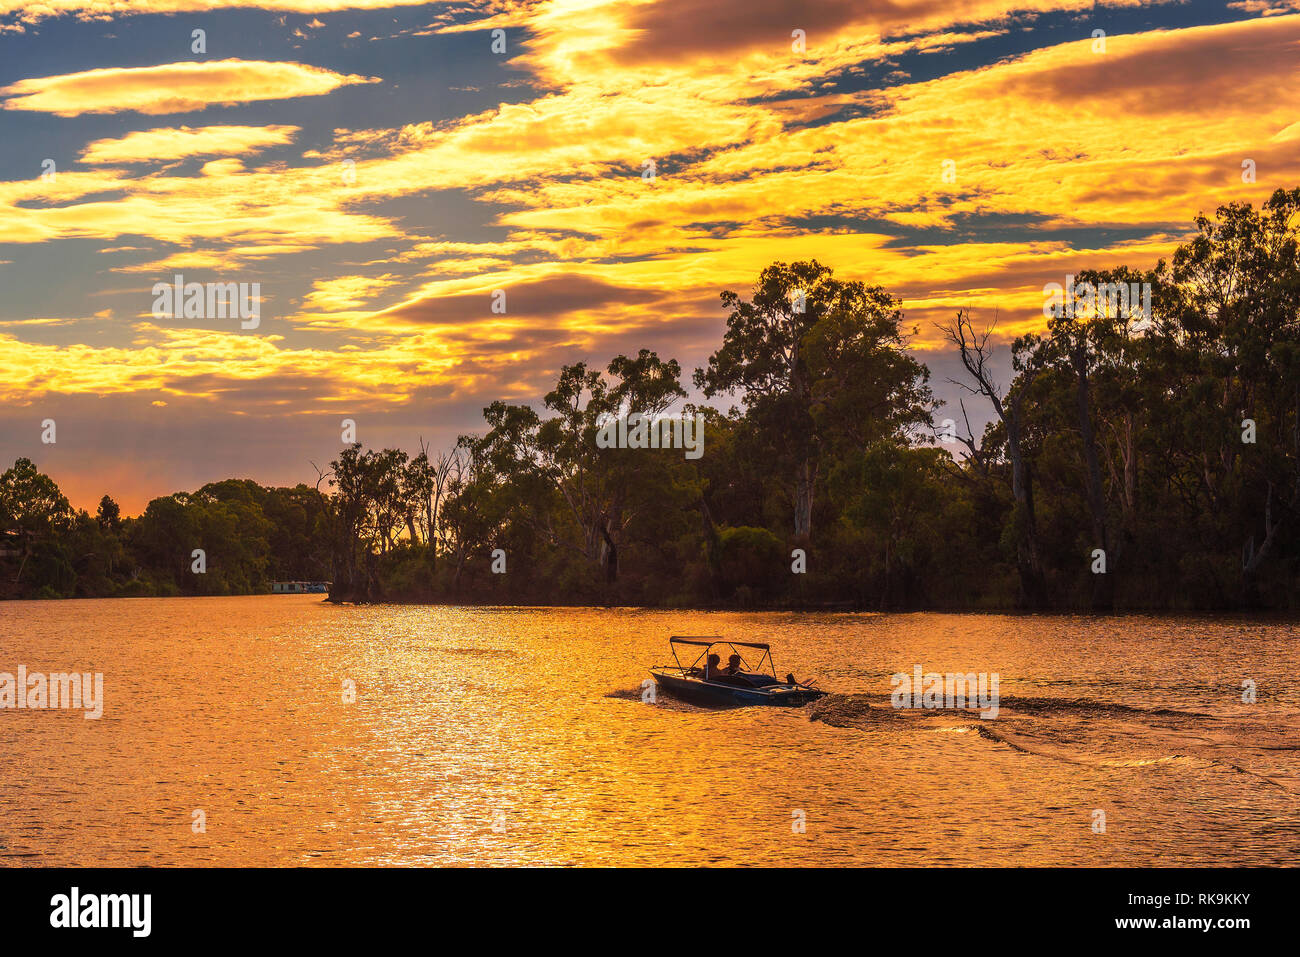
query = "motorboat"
{"x": 749, "y": 684}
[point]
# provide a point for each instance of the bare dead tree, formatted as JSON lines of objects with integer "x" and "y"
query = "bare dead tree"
{"x": 976, "y": 354}
{"x": 975, "y": 459}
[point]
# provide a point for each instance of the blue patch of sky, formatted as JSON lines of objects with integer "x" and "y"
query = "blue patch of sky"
{"x": 446, "y": 214}
{"x": 64, "y": 282}
{"x": 425, "y": 78}
{"x": 965, "y": 227}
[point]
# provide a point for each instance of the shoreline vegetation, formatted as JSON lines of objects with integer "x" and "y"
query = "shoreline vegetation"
{"x": 1144, "y": 456}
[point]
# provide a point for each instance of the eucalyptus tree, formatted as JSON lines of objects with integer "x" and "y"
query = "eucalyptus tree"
{"x": 1237, "y": 313}
{"x": 560, "y": 479}
{"x": 819, "y": 363}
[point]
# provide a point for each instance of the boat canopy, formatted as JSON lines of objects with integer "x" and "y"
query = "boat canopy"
{"x": 707, "y": 640}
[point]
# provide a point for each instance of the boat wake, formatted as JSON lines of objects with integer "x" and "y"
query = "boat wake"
{"x": 661, "y": 700}
{"x": 1099, "y": 734}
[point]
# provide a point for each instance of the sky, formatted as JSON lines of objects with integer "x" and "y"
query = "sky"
{"x": 381, "y": 170}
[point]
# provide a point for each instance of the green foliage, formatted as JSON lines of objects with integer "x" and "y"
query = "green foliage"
{"x": 753, "y": 559}
{"x": 245, "y": 531}
{"x": 1117, "y": 431}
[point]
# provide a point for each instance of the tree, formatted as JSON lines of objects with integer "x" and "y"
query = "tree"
{"x": 817, "y": 360}
{"x": 32, "y": 506}
{"x": 976, "y": 355}
{"x": 1237, "y": 310}
{"x": 556, "y": 464}
{"x": 109, "y": 515}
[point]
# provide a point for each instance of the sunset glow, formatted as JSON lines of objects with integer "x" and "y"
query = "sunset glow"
{"x": 380, "y": 171}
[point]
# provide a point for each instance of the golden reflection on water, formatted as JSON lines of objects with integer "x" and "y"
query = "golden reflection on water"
{"x": 518, "y": 736}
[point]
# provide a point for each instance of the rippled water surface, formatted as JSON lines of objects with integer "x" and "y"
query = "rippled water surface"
{"x": 519, "y": 736}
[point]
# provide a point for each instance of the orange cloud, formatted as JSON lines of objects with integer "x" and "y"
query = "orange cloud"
{"x": 169, "y": 143}
{"x": 346, "y": 292}
{"x": 32, "y": 11}
{"x": 1059, "y": 138}
{"x": 172, "y": 87}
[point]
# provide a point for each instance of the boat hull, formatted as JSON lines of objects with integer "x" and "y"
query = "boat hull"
{"x": 717, "y": 694}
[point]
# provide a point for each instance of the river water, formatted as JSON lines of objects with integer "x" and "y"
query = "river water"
{"x": 522, "y": 736}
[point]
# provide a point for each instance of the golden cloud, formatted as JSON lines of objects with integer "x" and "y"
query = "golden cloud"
{"x": 170, "y": 143}
{"x": 172, "y": 87}
{"x": 346, "y": 292}
{"x": 32, "y": 11}
{"x": 1059, "y": 138}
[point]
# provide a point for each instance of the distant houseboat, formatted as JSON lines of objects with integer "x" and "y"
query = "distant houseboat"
{"x": 299, "y": 588}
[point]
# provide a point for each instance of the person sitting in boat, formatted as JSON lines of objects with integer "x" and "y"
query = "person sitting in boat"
{"x": 711, "y": 669}
{"x": 732, "y": 674}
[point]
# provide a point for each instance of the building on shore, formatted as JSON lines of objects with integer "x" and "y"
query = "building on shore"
{"x": 300, "y": 588}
